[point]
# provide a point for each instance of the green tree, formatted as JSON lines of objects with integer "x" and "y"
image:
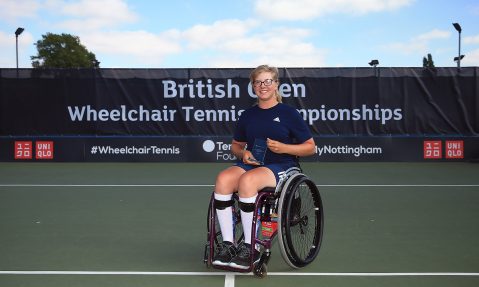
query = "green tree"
{"x": 62, "y": 51}
{"x": 428, "y": 62}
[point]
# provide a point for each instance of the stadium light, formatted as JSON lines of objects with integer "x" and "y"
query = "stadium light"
{"x": 96, "y": 63}
{"x": 17, "y": 33}
{"x": 457, "y": 27}
{"x": 373, "y": 63}
{"x": 459, "y": 56}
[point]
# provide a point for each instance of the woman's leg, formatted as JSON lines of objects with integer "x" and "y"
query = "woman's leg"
{"x": 226, "y": 185}
{"x": 249, "y": 184}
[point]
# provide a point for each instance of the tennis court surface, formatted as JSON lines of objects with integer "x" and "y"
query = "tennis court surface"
{"x": 144, "y": 224}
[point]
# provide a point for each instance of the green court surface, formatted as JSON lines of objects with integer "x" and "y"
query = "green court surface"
{"x": 144, "y": 224}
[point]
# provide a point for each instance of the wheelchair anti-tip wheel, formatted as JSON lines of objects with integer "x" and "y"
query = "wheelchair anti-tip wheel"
{"x": 300, "y": 222}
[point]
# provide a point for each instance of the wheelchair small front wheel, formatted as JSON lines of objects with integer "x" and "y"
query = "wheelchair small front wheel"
{"x": 261, "y": 270}
{"x": 300, "y": 221}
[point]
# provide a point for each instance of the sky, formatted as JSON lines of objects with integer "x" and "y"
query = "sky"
{"x": 247, "y": 33}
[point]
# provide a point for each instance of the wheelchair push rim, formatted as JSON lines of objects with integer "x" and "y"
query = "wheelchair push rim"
{"x": 301, "y": 221}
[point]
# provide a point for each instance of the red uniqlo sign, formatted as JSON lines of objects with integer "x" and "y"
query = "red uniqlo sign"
{"x": 432, "y": 149}
{"x": 454, "y": 149}
{"x": 44, "y": 150}
{"x": 23, "y": 150}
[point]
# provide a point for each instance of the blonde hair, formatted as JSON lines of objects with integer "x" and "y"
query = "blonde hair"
{"x": 265, "y": 68}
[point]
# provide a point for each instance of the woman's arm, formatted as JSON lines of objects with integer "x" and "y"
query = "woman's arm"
{"x": 303, "y": 149}
{"x": 238, "y": 149}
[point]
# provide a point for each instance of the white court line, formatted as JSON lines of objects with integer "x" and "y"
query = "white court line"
{"x": 230, "y": 277}
{"x": 211, "y": 185}
{"x": 230, "y": 280}
{"x": 230, "y": 274}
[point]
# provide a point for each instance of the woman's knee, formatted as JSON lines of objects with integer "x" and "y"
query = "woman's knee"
{"x": 251, "y": 182}
{"x": 227, "y": 182}
{"x": 248, "y": 185}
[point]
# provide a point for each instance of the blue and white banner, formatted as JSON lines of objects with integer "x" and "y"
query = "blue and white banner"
{"x": 350, "y": 111}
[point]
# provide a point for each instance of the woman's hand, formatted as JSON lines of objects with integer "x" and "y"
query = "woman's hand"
{"x": 275, "y": 146}
{"x": 248, "y": 158}
{"x": 238, "y": 149}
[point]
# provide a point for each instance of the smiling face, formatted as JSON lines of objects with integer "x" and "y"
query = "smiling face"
{"x": 265, "y": 87}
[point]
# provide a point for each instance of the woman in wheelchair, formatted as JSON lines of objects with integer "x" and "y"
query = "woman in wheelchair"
{"x": 267, "y": 141}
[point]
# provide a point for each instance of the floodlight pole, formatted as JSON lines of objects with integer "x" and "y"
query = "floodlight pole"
{"x": 17, "y": 33}
{"x": 374, "y": 63}
{"x": 459, "y": 30}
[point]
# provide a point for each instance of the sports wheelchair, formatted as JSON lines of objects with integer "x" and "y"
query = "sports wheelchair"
{"x": 292, "y": 210}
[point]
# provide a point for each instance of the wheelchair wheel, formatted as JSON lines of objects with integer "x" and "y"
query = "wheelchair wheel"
{"x": 213, "y": 229}
{"x": 300, "y": 222}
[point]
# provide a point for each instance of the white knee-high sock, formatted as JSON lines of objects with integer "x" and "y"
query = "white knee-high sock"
{"x": 225, "y": 218}
{"x": 247, "y": 219}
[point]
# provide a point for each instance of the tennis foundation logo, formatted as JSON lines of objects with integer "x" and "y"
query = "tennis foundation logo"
{"x": 208, "y": 145}
{"x": 24, "y": 150}
{"x": 452, "y": 149}
{"x": 221, "y": 150}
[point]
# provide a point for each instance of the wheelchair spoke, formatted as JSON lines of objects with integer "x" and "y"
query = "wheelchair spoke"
{"x": 303, "y": 227}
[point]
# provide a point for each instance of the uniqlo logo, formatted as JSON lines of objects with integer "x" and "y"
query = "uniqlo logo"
{"x": 454, "y": 149}
{"x": 23, "y": 150}
{"x": 432, "y": 149}
{"x": 44, "y": 150}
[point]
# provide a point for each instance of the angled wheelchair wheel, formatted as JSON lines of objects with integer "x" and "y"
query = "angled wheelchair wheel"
{"x": 214, "y": 236}
{"x": 300, "y": 221}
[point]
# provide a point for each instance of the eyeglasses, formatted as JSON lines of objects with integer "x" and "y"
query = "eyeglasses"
{"x": 266, "y": 83}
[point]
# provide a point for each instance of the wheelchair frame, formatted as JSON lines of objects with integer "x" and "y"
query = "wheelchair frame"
{"x": 270, "y": 200}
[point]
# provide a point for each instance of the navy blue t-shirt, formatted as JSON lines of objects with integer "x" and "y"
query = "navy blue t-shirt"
{"x": 282, "y": 123}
